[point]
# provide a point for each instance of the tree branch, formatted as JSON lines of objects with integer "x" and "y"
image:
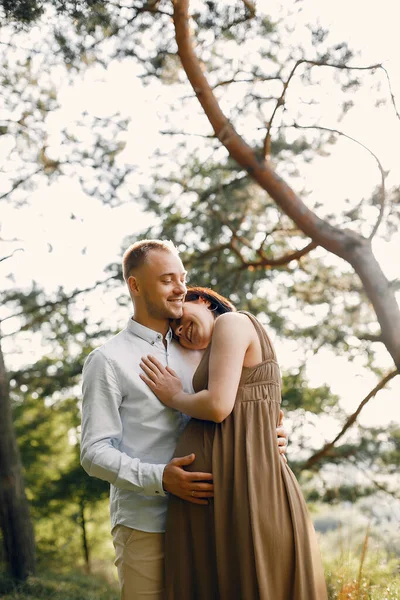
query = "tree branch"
{"x": 391, "y": 92}
{"x": 185, "y": 133}
{"x": 213, "y": 251}
{"x": 282, "y": 260}
{"x": 369, "y": 337}
{"x": 12, "y": 254}
{"x": 312, "y": 460}
{"x": 251, "y": 7}
{"x": 264, "y": 261}
{"x": 281, "y": 99}
{"x": 53, "y": 303}
{"x": 345, "y": 243}
{"x": 280, "y": 102}
{"x": 379, "y": 486}
{"x": 20, "y": 182}
{"x": 331, "y": 238}
{"x": 233, "y": 80}
{"x": 380, "y": 167}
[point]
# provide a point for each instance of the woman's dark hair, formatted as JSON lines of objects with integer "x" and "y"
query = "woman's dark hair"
{"x": 218, "y": 303}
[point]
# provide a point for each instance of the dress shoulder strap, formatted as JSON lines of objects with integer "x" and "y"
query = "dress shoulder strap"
{"x": 267, "y": 349}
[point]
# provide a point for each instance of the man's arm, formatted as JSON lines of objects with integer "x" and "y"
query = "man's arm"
{"x": 101, "y": 435}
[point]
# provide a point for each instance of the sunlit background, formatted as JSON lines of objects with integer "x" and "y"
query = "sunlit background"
{"x": 58, "y": 235}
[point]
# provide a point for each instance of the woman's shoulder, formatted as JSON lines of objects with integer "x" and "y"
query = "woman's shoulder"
{"x": 233, "y": 319}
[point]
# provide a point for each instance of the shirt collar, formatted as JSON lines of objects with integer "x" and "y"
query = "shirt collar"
{"x": 147, "y": 334}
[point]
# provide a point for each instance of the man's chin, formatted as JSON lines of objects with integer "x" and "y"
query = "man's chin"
{"x": 175, "y": 312}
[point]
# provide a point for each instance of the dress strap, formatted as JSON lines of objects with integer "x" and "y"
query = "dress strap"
{"x": 267, "y": 349}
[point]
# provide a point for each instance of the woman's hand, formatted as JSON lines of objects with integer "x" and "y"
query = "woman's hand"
{"x": 162, "y": 381}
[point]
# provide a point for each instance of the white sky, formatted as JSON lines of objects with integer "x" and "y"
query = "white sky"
{"x": 45, "y": 224}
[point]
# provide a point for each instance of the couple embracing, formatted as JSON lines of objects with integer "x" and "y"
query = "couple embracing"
{"x": 181, "y": 414}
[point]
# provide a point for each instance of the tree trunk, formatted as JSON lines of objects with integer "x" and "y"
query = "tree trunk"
{"x": 85, "y": 545}
{"x": 15, "y": 521}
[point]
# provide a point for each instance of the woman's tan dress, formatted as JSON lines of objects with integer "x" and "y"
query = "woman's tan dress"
{"x": 255, "y": 540}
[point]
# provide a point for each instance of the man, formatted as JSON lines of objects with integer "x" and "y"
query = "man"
{"x": 128, "y": 436}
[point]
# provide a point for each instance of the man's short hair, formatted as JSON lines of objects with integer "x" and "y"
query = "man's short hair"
{"x": 136, "y": 254}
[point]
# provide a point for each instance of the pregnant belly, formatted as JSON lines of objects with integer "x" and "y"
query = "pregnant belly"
{"x": 197, "y": 438}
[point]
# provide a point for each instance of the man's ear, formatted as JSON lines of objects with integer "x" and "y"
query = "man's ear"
{"x": 133, "y": 285}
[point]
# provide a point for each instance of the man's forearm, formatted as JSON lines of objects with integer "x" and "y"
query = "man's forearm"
{"x": 102, "y": 460}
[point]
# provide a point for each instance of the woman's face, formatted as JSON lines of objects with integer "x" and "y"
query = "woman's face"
{"x": 194, "y": 329}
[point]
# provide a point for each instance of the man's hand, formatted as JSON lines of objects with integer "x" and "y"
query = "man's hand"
{"x": 189, "y": 486}
{"x": 282, "y": 436}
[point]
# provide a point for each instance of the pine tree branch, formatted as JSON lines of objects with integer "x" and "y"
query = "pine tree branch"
{"x": 264, "y": 261}
{"x": 378, "y": 162}
{"x": 33, "y": 50}
{"x": 391, "y": 92}
{"x": 281, "y": 99}
{"x": 20, "y": 182}
{"x": 280, "y": 102}
{"x": 12, "y": 254}
{"x": 234, "y": 80}
{"x": 213, "y": 251}
{"x": 282, "y": 260}
{"x": 51, "y": 304}
{"x": 345, "y": 243}
{"x": 369, "y": 337}
{"x": 331, "y": 238}
{"x": 315, "y": 458}
{"x": 379, "y": 486}
{"x": 185, "y": 133}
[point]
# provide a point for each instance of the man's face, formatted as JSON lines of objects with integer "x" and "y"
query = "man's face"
{"x": 161, "y": 284}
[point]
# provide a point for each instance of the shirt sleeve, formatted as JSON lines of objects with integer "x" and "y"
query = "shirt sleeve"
{"x": 101, "y": 433}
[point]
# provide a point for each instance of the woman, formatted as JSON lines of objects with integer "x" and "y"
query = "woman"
{"x": 255, "y": 539}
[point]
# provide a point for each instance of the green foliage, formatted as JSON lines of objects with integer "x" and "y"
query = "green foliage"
{"x": 65, "y": 502}
{"x": 47, "y": 584}
{"x": 296, "y": 394}
{"x": 358, "y": 467}
{"x": 62, "y": 497}
{"x": 24, "y": 12}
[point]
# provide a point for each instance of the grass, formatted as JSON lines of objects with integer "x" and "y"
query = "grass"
{"x": 351, "y": 575}
{"x": 363, "y": 576}
{"x": 46, "y": 585}
{"x": 379, "y": 581}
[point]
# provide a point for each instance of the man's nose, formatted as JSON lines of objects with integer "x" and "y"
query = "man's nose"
{"x": 181, "y": 285}
{"x": 179, "y": 330}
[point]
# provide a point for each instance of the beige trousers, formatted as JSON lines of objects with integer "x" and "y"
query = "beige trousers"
{"x": 139, "y": 558}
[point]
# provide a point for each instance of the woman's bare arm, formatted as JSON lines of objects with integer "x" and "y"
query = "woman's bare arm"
{"x": 231, "y": 338}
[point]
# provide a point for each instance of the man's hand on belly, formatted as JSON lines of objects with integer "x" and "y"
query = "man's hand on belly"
{"x": 193, "y": 487}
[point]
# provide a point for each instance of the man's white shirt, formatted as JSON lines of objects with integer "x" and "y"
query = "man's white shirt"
{"x": 128, "y": 435}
